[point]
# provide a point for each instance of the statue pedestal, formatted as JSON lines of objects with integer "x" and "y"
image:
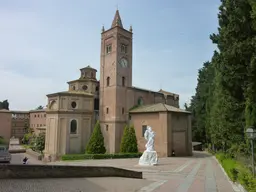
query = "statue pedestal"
{"x": 148, "y": 158}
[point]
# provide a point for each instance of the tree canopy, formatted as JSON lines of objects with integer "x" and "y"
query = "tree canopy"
{"x": 224, "y": 104}
{"x": 39, "y": 107}
{"x": 4, "y": 105}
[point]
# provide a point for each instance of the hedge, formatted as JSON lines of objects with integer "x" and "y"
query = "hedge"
{"x": 69, "y": 157}
{"x": 237, "y": 172}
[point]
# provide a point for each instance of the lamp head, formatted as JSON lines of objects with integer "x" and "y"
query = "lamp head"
{"x": 251, "y": 133}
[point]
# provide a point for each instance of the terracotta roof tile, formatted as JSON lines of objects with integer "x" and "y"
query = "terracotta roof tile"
{"x": 158, "y": 107}
{"x": 167, "y": 93}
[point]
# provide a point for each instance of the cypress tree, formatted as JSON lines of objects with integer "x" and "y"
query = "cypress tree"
{"x": 129, "y": 140}
{"x": 250, "y": 113}
{"x": 96, "y": 142}
{"x": 225, "y": 100}
{"x": 125, "y": 140}
{"x": 133, "y": 145}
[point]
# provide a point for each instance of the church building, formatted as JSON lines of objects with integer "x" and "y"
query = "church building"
{"x": 115, "y": 102}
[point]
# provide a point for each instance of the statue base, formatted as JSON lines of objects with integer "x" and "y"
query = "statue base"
{"x": 148, "y": 158}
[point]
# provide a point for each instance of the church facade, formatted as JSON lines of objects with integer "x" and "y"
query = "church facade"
{"x": 71, "y": 115}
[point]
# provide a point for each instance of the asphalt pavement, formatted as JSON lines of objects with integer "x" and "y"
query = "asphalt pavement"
{"x": 17, "y": 158}
{"x": 200, "y": 173}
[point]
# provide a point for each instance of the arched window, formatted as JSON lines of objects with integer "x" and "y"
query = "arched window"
{"x": 52, "y": 105}
{"x": 123, "y": 81}
{"x": 108, "y": 81}
{"x": 140, "y": 101}
{"x": 73, "y": 127}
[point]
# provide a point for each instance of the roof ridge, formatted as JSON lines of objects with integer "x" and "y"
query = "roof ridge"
{"x": 165, "y": 106}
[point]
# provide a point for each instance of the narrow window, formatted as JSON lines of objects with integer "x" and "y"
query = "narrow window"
{"x": 123, "y": 81}
{"x": 144, "y": 128}
{"x": 108, "y": 49}
{"x": 73, "y": 127}
{"x": 107, "y": 110}
{"x": 108, "y": 81}
{"x": 106, "y": 127}
{"x": 123, "y": 48}
{"x": 140, "y": 101}
{"x": 122, "y": 110}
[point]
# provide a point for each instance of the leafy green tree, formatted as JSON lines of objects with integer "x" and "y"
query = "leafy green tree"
{"x": 96, "y": 142}
{"x": 40, "y": 142}
{"x": 225, "y": 101}
{"x": 39, "y": 107}
{"x": 235, "y": 48}
{"x": 129, "y": 140}
{"x": 28, "y": 136}
{"x": 250, "y": 112}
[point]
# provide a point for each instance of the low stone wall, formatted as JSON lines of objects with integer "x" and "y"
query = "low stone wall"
{"x": 16, "y": 149}
{"x": 34, "y": 154}
{"x": 9, "y": 171}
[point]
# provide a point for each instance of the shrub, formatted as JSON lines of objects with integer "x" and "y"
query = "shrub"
{"x": 237, "y": 172}
{"x": 2, "y": 141}
{"x": 96, "y": 142}
{"x": 70, "y": 157}
{"x": 124, "y": 142}
{"x": 40, "y": 142}
{"x": 37, "y": 143}
{"x": 28, "y": 136}
{"x": 133, "y": 147}
{"x": 129, "y": 141}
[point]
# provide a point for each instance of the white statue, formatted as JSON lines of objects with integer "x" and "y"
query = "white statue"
{"x": 149, "y": 135}
{"x": 149, "y": 157}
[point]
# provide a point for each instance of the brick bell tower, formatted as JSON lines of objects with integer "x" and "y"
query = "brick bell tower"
{"x": 115, "y": 77}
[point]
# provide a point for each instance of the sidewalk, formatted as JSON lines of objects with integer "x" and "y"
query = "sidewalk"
{"x": 200, "y": 173}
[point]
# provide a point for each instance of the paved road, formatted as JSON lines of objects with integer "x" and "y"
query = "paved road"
{"x": 17, "y": 158}
{"x": 200, "y": 173}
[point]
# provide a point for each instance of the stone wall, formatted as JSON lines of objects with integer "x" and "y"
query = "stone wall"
{"x": 8, "y": 171}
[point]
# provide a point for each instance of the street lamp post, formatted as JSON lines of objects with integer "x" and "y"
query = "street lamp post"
{"x": 251, "y": 135}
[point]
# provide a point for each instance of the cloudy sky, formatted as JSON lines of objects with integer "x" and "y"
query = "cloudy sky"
{"x": 44, "y": 43}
